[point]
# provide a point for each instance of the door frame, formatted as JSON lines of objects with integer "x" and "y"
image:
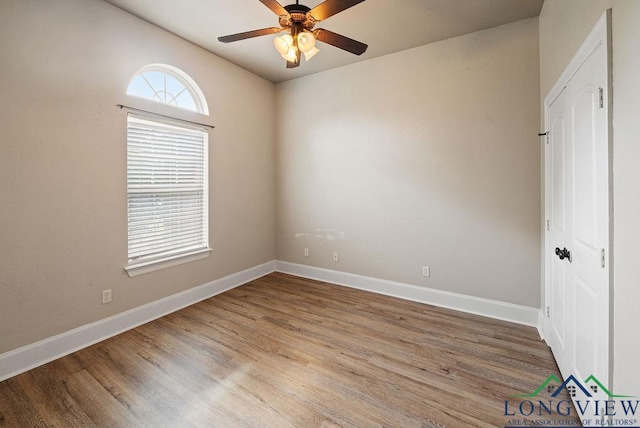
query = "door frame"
{"x": 600, "y": 35}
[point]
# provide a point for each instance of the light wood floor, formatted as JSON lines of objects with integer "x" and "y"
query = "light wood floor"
{"x": 284, "y": 351}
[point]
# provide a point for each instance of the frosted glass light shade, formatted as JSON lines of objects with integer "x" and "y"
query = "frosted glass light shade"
{"x": 306, "y": 41}
{"x": 284, "y": 45}
{"x": 281, "y": 45}
{"x": 291, "y": 55}
{"x": 310, "y": 54}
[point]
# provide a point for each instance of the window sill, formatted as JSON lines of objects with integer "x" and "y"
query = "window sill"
{"x": 154, "y": 265}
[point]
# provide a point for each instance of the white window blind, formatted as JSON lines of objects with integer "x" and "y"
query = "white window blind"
{"x": 166, "y": 189}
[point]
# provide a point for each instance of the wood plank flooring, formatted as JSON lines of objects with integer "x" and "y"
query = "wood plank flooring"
{"x": 283, "y": 351}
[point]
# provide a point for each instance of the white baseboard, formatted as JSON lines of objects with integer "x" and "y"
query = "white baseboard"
{"x": 475, "y": 305}
{"x": 28, "y": 357}
{"x": 22, "y": 359}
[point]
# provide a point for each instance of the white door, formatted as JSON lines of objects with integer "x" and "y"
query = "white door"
{"x": 590, "y": 240}
{"x": 577, "y": 200}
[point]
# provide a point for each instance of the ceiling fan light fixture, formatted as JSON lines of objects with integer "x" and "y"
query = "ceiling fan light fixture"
{"x": 288, "y": 38}
{"x": 299, "y": 22}
{"x": 306, "y": 41}
{"x": 281, "y": 45}
{"x": 311, "y": 53}
{"x": 291, "y": 55}
{"x": 284, "y": 45}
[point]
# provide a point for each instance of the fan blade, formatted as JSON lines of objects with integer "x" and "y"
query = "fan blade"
{"x": 275, "y": 7}
{"x": 249, "y": 34}
{"x": 339, "y": 41}
{"x": 329, "y": 8}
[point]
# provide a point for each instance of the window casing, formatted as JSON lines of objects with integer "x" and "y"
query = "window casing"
{"x": 167, "y": 174}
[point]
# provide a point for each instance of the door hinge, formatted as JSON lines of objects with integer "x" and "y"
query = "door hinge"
{"x": 601, "y": 97}
{"x": 602, "y": 258}
{"x": 548, "y": 225}
{"x": 548, "y": 312}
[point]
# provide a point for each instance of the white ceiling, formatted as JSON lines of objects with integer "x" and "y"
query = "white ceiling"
{"x": 387, "y": 26}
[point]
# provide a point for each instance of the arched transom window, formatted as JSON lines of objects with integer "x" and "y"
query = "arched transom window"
{"x": 166, "y": 84}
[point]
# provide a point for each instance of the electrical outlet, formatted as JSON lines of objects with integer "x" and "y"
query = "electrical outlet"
{"x": 426, "y": 271}
{"x": 336, "y": 257}
{"x": 306, "y": 252}
{"x": 106, "y": 296}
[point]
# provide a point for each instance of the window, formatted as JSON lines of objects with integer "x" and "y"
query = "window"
{"x": 165, "y": 84}
{"x": 167, "y": 187}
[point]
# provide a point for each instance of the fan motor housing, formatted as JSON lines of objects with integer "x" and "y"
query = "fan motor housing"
{"x": 297, "y": 15}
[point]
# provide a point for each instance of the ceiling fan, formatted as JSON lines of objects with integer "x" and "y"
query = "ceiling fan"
{"x": 298, "y": 21}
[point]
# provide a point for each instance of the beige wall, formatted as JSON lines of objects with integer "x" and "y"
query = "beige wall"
{"x": 564, "y": 24}
{"x": 64, "y": 65}
{"x": 428, "y": 156}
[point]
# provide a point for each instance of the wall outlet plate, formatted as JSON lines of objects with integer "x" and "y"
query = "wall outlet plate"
{"x": 106, "y": 296}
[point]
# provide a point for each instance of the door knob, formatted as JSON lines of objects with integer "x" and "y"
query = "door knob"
{"x": 563, "y": 254}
